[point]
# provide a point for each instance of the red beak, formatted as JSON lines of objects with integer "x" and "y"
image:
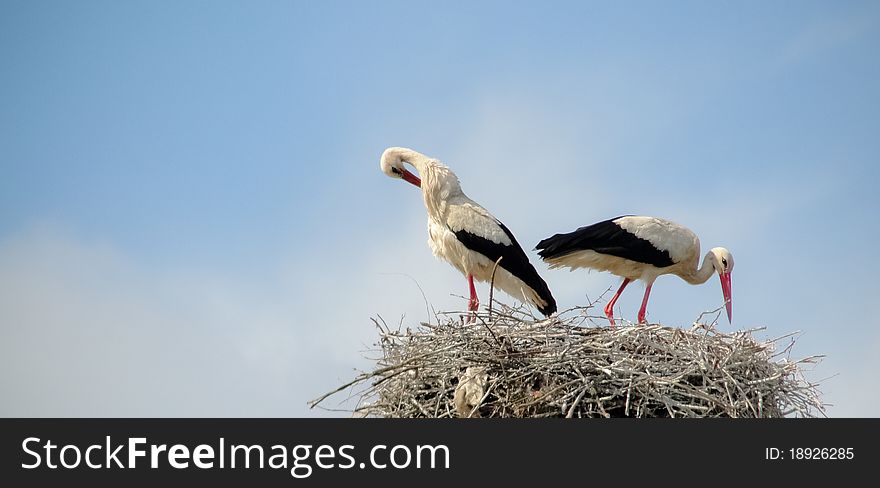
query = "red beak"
{"x": 725, "y": 289}
{"x": 411, "y": 178}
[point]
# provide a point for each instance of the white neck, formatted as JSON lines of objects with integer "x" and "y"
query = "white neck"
{"x": 439, "y": 183}
{"x": 698, "y": 276}
{"x": 415, "y": 158}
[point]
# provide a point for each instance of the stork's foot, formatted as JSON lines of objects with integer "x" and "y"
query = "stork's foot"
{"x": 609, "y": 312}
{"x": 473, "y": 306}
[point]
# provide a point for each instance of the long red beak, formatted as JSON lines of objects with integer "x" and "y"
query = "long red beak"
{"x": 411, "y": 178}
{"x": 725, "y": 289}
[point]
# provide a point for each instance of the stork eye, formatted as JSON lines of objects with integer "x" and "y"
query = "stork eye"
{"x": 395, "y": 170}
{"x": 724, "y": 263}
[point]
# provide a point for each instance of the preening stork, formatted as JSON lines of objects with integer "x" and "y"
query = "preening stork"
{"x": 466, "y": 235}
{"x": 639, "y": 248}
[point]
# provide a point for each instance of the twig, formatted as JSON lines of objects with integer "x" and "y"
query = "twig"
{"x": 492, "y": 285}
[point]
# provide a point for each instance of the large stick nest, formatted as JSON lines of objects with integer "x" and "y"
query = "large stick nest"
{"x": 508, "y": 364}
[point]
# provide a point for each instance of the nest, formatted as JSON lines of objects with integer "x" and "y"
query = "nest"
{"x": 507, "y": 363}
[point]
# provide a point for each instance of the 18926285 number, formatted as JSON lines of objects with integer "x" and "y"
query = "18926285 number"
{"x": 821, "y": 453}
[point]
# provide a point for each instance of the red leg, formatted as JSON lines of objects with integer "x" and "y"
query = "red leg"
{"x": 609, "y": 308}
{"x": 474, "y": 302}
{"x": 645, "y": 304}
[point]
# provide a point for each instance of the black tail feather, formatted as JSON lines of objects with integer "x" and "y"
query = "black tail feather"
{"x": 513, "y": 260}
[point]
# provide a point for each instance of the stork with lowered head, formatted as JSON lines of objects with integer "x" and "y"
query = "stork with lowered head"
{"x": 639, "y": 248}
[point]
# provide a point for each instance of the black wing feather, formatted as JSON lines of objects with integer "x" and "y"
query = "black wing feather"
{"x": 605, "y": 238}
{"x": 514, "y": 260}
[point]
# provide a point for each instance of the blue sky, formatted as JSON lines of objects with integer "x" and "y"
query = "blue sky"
{"x": 193, "y": 222}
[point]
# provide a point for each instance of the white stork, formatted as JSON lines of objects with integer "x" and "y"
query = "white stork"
{"x": 636, "y": 248}
{"x": 466, "y": 235}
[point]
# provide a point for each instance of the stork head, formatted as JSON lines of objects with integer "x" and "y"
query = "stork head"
{"x": 722, "y": 261}
{"x": 392, "y": 164}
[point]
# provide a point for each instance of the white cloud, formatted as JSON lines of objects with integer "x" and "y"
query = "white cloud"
{"x": 90, "y": 332}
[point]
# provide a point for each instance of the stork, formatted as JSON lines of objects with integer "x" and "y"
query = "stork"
{"x": 637, "y": 247}
{"x": 466, "y": 235}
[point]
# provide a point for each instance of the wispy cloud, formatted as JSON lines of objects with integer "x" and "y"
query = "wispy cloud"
{"x": 830, "y": 32}
{"x": 88, "y": 331}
